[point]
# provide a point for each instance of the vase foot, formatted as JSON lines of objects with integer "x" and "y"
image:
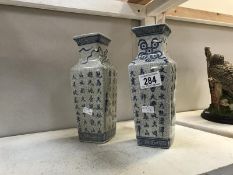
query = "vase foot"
{"x": 97, "y": 137}
{"x": 154, "y": 142}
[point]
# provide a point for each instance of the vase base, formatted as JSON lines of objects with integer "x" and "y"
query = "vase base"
{"x": 97, "y": 137}
{"x": 154, "y": 142}
{"x": 218, "y": 118}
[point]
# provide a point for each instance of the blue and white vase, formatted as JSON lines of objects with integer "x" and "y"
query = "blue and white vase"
{"x": 94, "y": 83}
{"x": 152, "y": 77}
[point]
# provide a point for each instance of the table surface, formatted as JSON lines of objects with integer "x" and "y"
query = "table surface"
{"x": 60, "y": 152}
{"x": 194, "y": 120}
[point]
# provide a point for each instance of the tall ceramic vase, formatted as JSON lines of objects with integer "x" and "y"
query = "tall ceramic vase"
{"x": 94, "y": 89}
{"x": 152, "y": 79}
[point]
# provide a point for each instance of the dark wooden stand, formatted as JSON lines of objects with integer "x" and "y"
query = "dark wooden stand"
{"x": 219, "y": 118}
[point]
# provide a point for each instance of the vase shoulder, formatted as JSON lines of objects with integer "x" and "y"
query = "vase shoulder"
{"x": 160, "y": 62}
{"x": 97, "y": 64}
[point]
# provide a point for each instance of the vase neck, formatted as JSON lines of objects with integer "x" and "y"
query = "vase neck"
{"x": 92, "y": 52}
{"x": 92, "y": 47}
{"x": 152, "y": 46}
{"x": 152, "y": 42}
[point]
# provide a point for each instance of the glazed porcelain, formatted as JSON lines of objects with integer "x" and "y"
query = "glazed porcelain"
{"x": 94, "y": 89}
{"x": 152, "y": 80}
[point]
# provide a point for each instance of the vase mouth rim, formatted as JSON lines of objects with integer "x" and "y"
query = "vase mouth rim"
{"x": 152, "y": 30}
{"x": 91, "y": 38}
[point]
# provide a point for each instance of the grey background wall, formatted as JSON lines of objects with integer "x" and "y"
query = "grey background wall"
{"x": 186, "y": 46}
{"x": 37, "y": 51}
{"x": 36, "y": 54}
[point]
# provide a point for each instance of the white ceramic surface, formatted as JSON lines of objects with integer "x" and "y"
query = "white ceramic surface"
{"x": 193, "y": 119}
{"x": 60, "y": 152}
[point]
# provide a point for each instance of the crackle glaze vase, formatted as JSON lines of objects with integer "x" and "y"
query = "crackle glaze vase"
{"x": 94, "y": 83}
{"x": 152, "y": 77}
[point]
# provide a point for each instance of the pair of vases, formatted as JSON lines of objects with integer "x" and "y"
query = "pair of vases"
{"x": 152, "y": 82}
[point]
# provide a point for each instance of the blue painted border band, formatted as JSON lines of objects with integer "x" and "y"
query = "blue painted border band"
{"x": 91, "y": 38}
{"x": 154, "y": 142}
{"x": 96, "y": 137}
{"x": 152, "y": 30}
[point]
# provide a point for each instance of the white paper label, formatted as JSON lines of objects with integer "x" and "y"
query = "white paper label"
{"x": 87, "y": 111}
{"x": 150, "y": 80}
{"x": 148, "y": 109}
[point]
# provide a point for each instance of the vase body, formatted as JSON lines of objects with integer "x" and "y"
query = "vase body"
{"x": 152, "y": 80}
{"x": 94, "y": 86}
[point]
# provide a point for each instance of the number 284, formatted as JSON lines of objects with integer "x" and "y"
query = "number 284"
{"x": 149, "y": 80}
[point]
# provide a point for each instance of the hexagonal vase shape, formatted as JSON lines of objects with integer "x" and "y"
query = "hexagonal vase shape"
{"x": 94, "y": 83}
{"x": 152, "y": 77}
